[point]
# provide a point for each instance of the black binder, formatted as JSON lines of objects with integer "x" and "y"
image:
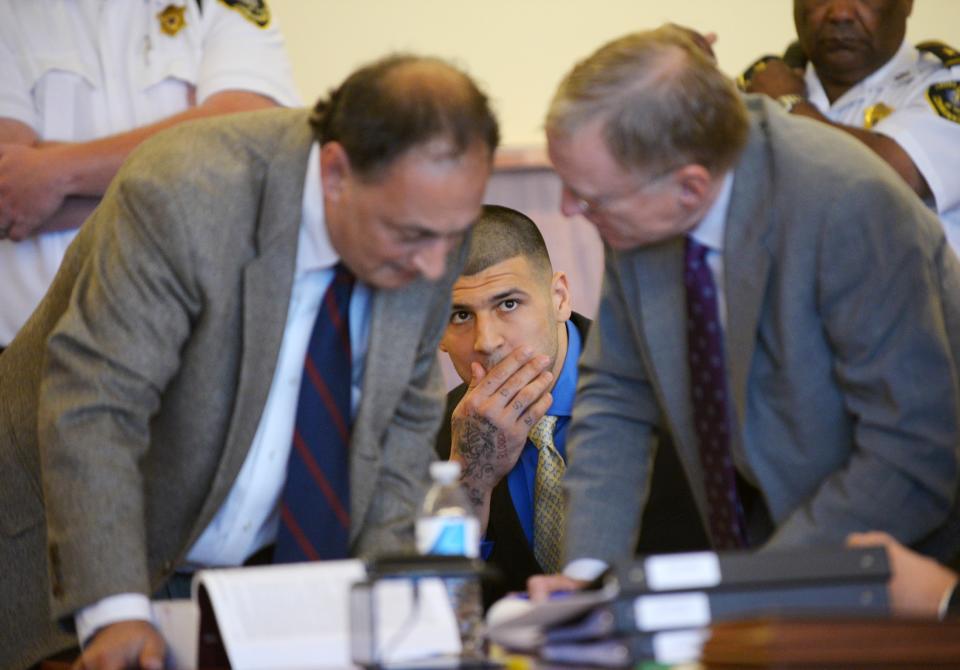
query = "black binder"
{"x": 773, "y": 568}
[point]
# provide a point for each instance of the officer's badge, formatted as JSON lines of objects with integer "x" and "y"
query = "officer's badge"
{"x": 254, "y": 11}
{"x": 944, "y": 97}
{"x": 171, "y": 20}
{"x": 874, "y": 114}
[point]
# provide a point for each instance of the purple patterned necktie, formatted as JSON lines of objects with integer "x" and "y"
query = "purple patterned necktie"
{"x": 708, "y": 389}
{"x": 315, "y": 503}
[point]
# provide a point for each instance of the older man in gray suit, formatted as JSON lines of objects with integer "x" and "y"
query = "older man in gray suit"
{"x": 774, "y": 298}
{"x": 168, "y": 354}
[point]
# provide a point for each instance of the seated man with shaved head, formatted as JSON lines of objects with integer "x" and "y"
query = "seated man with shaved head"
{"x": 514, "y": 339}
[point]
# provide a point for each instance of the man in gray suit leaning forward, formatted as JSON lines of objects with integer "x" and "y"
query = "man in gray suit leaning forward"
{"x": 169, "y": 355}
{"x": 775, "y": 298}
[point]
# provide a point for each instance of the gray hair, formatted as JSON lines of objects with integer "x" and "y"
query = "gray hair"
{"x": 662, "y": 100}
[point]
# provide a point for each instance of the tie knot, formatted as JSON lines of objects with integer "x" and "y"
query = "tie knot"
{"x": 694, "y": 253}
{"x": 542, "y": 433}
{"x": 342, "y": 274}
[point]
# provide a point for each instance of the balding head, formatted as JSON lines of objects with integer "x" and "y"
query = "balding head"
{"x": 400, "y": 102}
{"x": 662, "y": 101}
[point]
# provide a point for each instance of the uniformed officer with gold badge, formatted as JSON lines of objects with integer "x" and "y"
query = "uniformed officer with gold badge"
{"x": 864, "y": 78}
{"x": 82, "y": 82}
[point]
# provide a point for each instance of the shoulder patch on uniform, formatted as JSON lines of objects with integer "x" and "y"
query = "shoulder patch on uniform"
{"x": 254, "y": 11}
{"x": 947, "y": 54}
{"x": 944, "y": 97}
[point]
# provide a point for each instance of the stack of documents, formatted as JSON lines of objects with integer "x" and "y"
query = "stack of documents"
{"x": 660, "y": 607}
{"x": 285, "y": 617}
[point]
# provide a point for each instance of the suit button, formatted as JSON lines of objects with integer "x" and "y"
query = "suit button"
{"x": 167, "y": 566}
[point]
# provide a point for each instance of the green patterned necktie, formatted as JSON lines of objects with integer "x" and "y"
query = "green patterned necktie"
{"x": 547, "y": 497}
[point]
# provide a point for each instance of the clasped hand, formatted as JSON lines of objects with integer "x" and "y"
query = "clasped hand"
{"x": 490, "y": 425}
{"x": 32, "y": 189}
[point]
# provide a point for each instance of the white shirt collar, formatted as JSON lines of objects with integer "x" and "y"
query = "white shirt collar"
{"x": 710, "y": 231}
{"x": 314, "y": 250}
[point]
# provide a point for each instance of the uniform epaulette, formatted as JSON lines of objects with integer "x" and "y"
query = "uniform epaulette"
{"x": 947, "y": 54}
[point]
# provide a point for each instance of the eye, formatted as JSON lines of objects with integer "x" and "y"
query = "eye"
{"x": 509, "y": 304}
{"x": 457, "y": 318}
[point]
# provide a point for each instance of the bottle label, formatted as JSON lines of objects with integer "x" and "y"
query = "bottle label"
{"x": 449, "y": 536}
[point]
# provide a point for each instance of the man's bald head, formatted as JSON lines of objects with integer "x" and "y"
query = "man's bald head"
{"x": 400, "y": 102}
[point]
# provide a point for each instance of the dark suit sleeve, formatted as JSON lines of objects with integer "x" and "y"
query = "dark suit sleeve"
{"x": 444, "y": 436}
{"x": 953, "y": 606}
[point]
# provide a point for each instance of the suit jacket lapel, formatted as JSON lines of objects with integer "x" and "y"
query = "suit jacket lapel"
{"x": 746, "y": 262}
{"x": 662, "y": 302}
{"x": 267, "y": 282}
{"x": 395, "y": 324}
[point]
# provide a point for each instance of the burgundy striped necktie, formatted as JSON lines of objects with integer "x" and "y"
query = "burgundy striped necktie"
{"x": 315, "y": 504}
{"x": 708, "y": 393}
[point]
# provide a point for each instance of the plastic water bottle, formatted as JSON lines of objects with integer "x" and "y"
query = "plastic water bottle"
{"x": 448, "y": 526}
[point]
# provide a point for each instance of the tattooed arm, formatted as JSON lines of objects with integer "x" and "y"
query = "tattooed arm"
{"x": 489, "y": 427}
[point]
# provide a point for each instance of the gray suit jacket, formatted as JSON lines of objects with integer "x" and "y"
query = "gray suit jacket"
{"x": 162, "y": 332}
{"x": 841, "y": 344}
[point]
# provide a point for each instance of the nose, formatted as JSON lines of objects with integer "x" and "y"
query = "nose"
{"x": 569, "y": 203}
{"x": 486, "y": 337}
{"x": 841, "y": 10}
{"x": 431, "y": 260}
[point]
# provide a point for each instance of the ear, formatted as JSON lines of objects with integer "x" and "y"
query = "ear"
{"x": 695, "y": 185}
{"x": 560, "y": 292}
{"x": 334, "y": 168}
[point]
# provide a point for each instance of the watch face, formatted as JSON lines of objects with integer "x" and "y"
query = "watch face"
{"x": 789, "y": 101}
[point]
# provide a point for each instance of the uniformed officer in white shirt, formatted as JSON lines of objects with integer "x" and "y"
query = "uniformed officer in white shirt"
{"x": 84, "y": 82}
{"x": 864, "y": 78}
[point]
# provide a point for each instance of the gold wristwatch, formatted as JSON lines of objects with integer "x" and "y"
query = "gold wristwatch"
{"x": 790, "y": 100}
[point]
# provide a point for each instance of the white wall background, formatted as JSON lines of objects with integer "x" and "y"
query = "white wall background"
{"x": 519, "y": 49}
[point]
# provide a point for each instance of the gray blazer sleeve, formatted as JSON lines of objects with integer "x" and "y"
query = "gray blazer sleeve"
{"x": 894, "y": 362}
{"x": 610, "y": 443}
{"x": 109, "y": 358}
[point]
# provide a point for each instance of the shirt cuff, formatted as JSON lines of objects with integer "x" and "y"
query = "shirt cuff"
{"x": 112, "y": 609}
{"x": 585, "y": 569}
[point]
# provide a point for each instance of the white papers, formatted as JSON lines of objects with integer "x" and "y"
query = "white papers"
{"x": 178, "y": 621}
{"x": 298, "y": 616}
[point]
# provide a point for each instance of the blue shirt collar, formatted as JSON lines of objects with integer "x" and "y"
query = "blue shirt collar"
{"x": 565, "y": 389}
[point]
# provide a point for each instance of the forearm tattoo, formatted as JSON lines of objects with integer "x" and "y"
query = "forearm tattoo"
{"x": 475, "y": 496}
{"x": 480, "y": 443}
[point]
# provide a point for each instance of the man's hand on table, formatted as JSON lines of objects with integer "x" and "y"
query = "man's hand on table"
{"x": 127, "y": 644}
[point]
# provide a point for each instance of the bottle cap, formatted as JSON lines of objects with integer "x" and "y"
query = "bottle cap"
{"x": 445, "y": 472}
